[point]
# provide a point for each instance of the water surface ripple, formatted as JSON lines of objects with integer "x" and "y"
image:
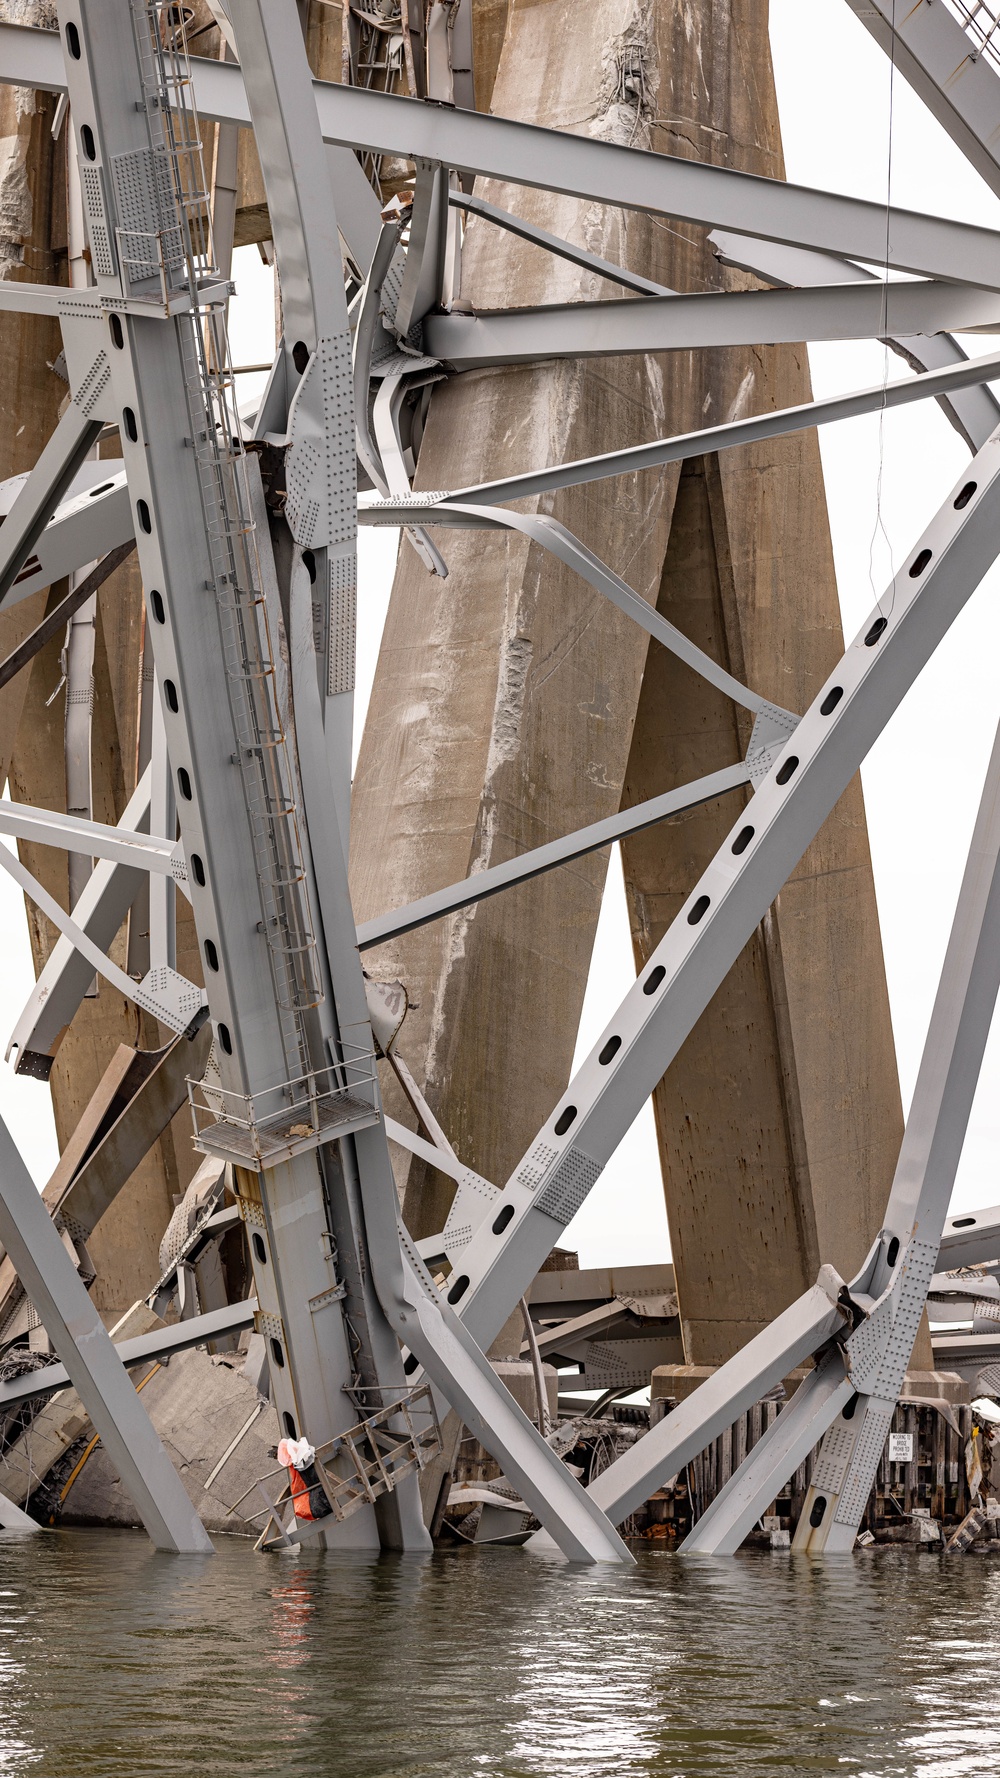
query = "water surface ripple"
{"x": 116, "y": 1662}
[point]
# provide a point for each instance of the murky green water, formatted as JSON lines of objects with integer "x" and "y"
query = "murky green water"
{"x": 121, "y": 1663}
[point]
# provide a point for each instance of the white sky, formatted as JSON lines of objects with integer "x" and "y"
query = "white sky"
{"x": 922, "y": 780}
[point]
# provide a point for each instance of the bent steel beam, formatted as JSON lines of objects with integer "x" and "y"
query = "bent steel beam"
{"x": 937, "y": 383}
{"x": 560, "y": 542}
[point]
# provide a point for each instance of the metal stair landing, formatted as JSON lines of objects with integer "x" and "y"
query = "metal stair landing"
{"x": 354, "y": 1469}
{"x": 261, "y": 1130}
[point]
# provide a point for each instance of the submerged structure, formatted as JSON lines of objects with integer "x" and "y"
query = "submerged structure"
{"x": 543, "y": 290}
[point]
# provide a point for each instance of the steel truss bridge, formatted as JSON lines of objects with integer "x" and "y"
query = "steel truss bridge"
{"x": 251, "y": 611}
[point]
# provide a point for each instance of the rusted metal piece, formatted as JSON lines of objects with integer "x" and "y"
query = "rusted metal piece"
{"x": 55, "y": 619}
{"x": 140, "y": 1092}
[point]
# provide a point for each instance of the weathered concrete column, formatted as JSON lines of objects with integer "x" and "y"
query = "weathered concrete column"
{"x": 495, "y": 724}
{"x": 779, "y": 1122}
{"x": 503, "y": 704}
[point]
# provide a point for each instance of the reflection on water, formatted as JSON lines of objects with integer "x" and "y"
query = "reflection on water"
{"x": 121, "y": 1663}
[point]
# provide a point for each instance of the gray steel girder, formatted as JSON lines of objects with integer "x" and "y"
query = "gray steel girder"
{"x": 852, "y": 1395}
{"x": 320, "y": 474}
{"x": 907, "y": 1254}
{"x": 83, "y": 527}
{"x": 66, "y": 449}
{"x": 184, "y": 544}
{"x": 718, "y": 318}
{"x": 99, "y": 518}
{"x": 971, "y": 1238}
{"x": 563, "y": 249}
{"x": 411, "y": 1304}
{"x": 110, "y": 891}
{"x": 71, "y": 833}
{"x": 582, "y": 166}
{"x": 819, "y": 1399}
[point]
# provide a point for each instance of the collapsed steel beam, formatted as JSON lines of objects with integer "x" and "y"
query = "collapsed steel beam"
{"x": 852, "y": 1395}
{"x": 150, "y": 1087}
{"x": 559, "y": 542}
{"x": 91, "y": 1363}
{"x": 162, "y": 1343}
{"x": 100, "y": 519}
{"x": 561, "y": 1174}
{"x": 54, "y": 620}
{"x": 817, "y": 1316}
{"x": 86, "y": 525}
{"x": 321, "y": 687}
{"x": 906, "y": 1255}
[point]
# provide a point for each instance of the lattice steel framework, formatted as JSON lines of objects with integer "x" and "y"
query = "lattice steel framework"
{"x": 254, "y": 650}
